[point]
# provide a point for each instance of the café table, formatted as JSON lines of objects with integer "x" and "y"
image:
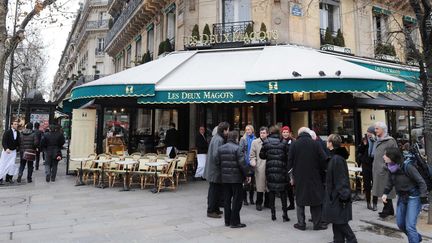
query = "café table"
{"x": 80, "y": 182}
{"x": 155, "y": 165}
{"x": 356, "y": 171}
{"x": 127, "y": 174}
{"x": 102, "y": 180}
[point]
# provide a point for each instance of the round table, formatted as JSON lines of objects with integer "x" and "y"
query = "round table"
{"x": 103, "y": 162}
{"x": 127, "y": 174}
{"x": 156, "y": 164}
{"x": 80, "y": 182}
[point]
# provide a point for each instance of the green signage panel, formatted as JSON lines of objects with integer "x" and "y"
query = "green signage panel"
{"x": 202, "y": 96}
{"x": 409, "y": 75}
{"x": 117, "y": 90}
{"x": 323, "y": 85}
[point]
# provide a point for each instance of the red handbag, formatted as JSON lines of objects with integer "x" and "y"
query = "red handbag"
{"x": 29, "y": 155}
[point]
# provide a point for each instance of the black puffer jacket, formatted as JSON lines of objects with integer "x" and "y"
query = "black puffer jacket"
{"x": 232, "y": 163}
{"x": 29, "y": 140}
{"x": 275, "y": 151}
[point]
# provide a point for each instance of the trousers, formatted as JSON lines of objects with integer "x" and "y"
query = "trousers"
{"x": 315, "y": 211}
{"x": 233, "y": 193}
{"x": 214, "y": 197}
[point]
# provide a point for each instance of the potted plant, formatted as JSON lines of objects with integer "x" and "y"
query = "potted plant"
{"x": 386, "y": 52}
{"x": 334, "y": 44}
{"x": 146, "y": 57}
{"x": 263, "y": 29}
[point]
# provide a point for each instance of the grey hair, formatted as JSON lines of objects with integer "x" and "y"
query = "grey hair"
{"x": 304, "y": 129}
{"x": 383, "y": 126}
{"x": 313, "y": 134}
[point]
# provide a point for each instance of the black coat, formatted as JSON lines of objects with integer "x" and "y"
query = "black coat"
{"x": 337, "y": 207}
{"x": 275, "y": 151}
{"x": 363, "y": 158}
{"x": 201, "y": 144}
{"x": 307, "y": 161}
{"x": 52, "y": 142}
{"x": 9, "y": 142}
{"x": 172, "y": 138}
{"x": 38, "y": 134}
{"x": 28, "y": 140}
{"x": 232, "y": 163}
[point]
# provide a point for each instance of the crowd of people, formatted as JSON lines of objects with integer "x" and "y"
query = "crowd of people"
{"x": 309, "y": 172}
{"x": 29, "y": 144}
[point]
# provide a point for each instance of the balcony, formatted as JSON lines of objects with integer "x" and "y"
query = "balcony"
{"x": 385, "y": 51}
{"x": 92, "y": 3}
{"x": 99, "y": 52}
{"x": 231, "y": 28}
{"x": 122, "y": 20}
{"x": 92, "y": 26}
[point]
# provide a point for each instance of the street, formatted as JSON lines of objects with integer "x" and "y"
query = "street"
{"x": 61, "y": 212}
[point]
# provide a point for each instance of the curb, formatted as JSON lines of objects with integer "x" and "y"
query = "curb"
{"x": 393, "y": 227}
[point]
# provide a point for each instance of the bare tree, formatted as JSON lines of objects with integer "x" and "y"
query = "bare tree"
{"x": 8, "y": 43}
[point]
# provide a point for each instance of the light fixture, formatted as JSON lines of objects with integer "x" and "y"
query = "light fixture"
{"x": 346, "y": 111}
{"x": 122, "y": 109}
{"x": 115, "y": 111}
{"x": 322, "y": 73}
{"x": 338, "y": 73}
{"x": 296, "y": 74}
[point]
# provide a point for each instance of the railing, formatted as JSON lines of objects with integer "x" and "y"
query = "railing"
{"x": 89, "y": 78}
{"x": 229, "y": 29}
{"x": 89, "y": 3}
{"x": 99, "y": 52}
{"x": 122, "y": 20}
{"x": 93, "y": 25}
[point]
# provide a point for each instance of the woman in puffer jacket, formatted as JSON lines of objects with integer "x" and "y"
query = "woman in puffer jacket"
{"x": 234, "y": 172}
{"x": 275, "y": 151}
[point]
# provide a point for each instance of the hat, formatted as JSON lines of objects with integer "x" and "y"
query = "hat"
{"x": 286, "y": 128}
{"x": 371, "y": 129}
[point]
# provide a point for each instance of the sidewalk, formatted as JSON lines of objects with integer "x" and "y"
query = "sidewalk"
{"x": 61, "y": 212}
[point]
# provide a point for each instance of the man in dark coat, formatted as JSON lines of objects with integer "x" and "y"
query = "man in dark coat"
{"x": 10, "y": 142}
{"x": 28, "y": 144}
{"x": 365, "y": 157}
{"x": 212, "y": 171}
{"x": 337, "y": 207}
{"x": 171, "y": 141}
{"x": 234, "y": 171}
{"x": 38, "y": 134}
{"x": 307, "y": 161}
{"x": 52, "y": 143}
{"x": 275, "y": 152}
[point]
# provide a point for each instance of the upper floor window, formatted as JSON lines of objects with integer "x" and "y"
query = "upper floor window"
{"x": 100, "y": 16}
{"x": 330, "y": 15}
{"x": 138, "y": 53}
{"x": 171, "y": 24}
{"x": 380, "y": 24}
{"x": 236, "y": 10}
{"x": 150, "y": 40}
{"x": 100, "y": 44}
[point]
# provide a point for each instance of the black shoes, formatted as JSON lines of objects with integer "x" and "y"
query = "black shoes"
{"x": 285, "y": 218}
{"x": 369, "y": 206}
{"x": 291, "y": 207}
{"x": 219, "y": 212}
{"x": 258, "y": 207}
{"x": 245, "y": 202}
{"x": 227, "y": 225}
{"x": 29, "y": 180}
{"x": 47, "y": 178}
{"x": 19, "y": 179}
{"x": 300, "y": 227}
{"x": 238, "y": 226}
{"x": 1, "y": 182}
{"x": 384, "y": 214}
{"x": 52, "y": 178}
{"x": 273, "y": 215}
{"x": 320, "y": 227}
{"x": 374, "y": 207}
{"x": 214, "y": 215}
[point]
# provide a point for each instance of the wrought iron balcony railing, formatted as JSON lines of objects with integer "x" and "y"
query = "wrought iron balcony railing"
{"x": 231, "y": 28}
{"x": 99, "y": 52}
{"x": 122, "y": 20}
{"x": 92, "y": 25}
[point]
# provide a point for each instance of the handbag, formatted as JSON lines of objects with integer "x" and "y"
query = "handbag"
{"x": 59, "y": 154}
{"x": 29, "y": 155}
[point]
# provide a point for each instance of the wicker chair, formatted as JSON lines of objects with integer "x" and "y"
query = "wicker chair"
{"x": 168, "y": 176}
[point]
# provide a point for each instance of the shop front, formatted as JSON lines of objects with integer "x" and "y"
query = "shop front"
{"x": 260, "y": 86}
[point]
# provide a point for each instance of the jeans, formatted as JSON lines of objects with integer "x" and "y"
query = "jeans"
{"x": 23, "y": 164}
{"x": 408, "y": 209}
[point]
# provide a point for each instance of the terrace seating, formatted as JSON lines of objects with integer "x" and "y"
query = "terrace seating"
{"x": 167, "y": 177}
{"x": 181, "y": 168}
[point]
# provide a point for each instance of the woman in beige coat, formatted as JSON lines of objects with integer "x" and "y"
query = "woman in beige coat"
{"x": 259, "y": 166}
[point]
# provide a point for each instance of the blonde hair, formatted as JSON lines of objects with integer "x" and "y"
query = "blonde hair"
{"x": 251, "y": 128}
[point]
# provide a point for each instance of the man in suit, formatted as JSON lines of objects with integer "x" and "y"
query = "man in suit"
{"x": 10, "y": 144}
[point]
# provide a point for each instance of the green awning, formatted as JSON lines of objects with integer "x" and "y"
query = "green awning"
{"x": 408, "y": 75}
{"x": 410, "y": 19}
{"x": 113, "y": 90}
{"x": 323, "y": 85}
{"x": 378, "y": 10}
{"x": 68, "y": 105}
{"x": 202, "y": 96}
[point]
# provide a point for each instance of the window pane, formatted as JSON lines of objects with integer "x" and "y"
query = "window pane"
{"x": 244, "y": 10}
{"x": 416, "y": 125}
{"x": 320, "y": 122}
{"x": 401, "y": 129}
{"x": 228, "y": 11}
{"x": 299, "y": 119}
{"x": 162, "y": 120}
{"x": 343, "y": 124}
{"x": 171, "y": 26}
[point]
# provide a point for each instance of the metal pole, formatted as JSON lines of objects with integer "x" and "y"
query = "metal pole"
{"x": 11, "y": 68}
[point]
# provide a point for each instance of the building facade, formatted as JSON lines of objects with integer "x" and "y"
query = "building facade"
{"x": 84, "y": 58}
{"x": 368, "y": 33}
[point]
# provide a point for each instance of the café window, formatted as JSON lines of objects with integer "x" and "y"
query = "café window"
{"x": 416, "y": 126}
{"x": 236, "y": 10}
{"x": 342, "y": 123}
{"x": 116, "y": 130}
{"x": 320, "y": 122}
{"x": 163, "y": 117}
{"x": 330, "y": 15}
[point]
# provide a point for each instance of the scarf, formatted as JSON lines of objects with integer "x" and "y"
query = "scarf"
{"x": 393, "y": 167}
{"x": 371, "y": 147}
{"x": 249, "y": 140}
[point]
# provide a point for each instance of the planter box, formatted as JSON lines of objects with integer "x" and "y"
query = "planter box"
{"x": 413, "y": 63}
{"x": 387, "y": 58}
{"x": 339, "y": 49}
